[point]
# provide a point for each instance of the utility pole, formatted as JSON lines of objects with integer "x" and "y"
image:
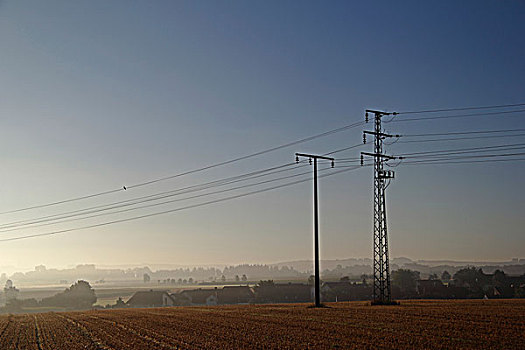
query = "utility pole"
{"x": 382, "y": 291}
{"x": 316, "y": 222}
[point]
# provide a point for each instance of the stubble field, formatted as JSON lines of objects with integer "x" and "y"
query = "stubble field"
{"x": 472, "y": 324}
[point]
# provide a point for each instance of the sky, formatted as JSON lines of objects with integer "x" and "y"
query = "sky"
{"x": 96, "y": 95}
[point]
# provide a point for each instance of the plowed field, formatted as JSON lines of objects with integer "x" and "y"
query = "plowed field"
{"x": 494, "y": 324}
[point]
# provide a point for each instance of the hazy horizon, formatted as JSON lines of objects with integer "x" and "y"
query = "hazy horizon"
{"x": 99, "y": 95}
{"x": 158, "y": 266}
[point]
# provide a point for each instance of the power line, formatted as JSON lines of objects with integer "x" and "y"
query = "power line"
{"x": 344, "y": 149}
{"x": 343, "y": 128}
{"x": 465, "y": 152}
{"x": 461, "y": 109}
{"x": 293, "y": 143}
{"x": 440, "y": 153}
{"x": 473, "y": 156}
{"x": 462, "y": 138}
{"x": 453, "y": 161}
{"x": 471, "y": 149}
{"x": 59, "y": 221}
{"x": 437, "y": 161}
{"x": 272, "y": 149}
{"x": 165, "y": 194}
{"x": 464, "y": 132}
{"x": 393, "y": 120}
{"x": 171, "y": 210}
{"x": 63, "y": 201}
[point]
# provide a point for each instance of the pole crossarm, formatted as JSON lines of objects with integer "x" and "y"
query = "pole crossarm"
{"x": 379, "y": 134}
{"x": 380, "y": 113}
{"x": 314, "y": 156}
{"x": 380, "y": 155}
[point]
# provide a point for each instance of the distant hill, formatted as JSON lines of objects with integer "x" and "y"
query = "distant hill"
{"x": 291, "y": 270}
{"x": 306, "y": 265}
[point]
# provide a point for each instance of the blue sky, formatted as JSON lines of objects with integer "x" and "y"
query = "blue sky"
{"x": 98, "y": 94}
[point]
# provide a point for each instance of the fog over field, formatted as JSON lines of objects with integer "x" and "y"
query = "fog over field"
{"x": 292, "y": 270}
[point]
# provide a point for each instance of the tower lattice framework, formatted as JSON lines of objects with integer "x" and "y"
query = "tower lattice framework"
{"x": 382, "y": 293}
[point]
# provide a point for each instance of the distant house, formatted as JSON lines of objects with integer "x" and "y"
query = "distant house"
{"x": 151, "y": 298}
{"x": 432, "y": 289}
{"x": 197, "y": 297}
{"x": 336, "y": 291}
{"x": 345, "y": 291}
{"x": 235, "y": 295}
{"x": 283, "y": 293}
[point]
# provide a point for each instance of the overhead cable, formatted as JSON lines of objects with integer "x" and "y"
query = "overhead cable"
{"x": 171, "y": 210}
{"x": 461, "y": 109}
{"x": 124, "y": 188}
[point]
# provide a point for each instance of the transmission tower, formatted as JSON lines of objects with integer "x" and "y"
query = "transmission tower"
{"x": 382, "y": 291}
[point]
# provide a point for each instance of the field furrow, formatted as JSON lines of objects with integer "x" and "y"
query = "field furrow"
{"x": 465, "y": 324}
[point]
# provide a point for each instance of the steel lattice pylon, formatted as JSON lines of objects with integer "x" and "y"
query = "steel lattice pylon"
{"x": 381, "y": 291}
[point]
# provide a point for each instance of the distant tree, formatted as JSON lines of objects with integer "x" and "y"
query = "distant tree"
{"x": 18, "y": 305}
{"x": 184, "y": 281}
{"x": 82, "y": 294}
{"x": 499, "y": 277}
{"x": 120, "y": 303}
{"x": 311, "y": 280}
{"x": 10, "y": 291}
{"x": 363, "y": 277}
{"x": 469, "y": 276}
{"x": 79, "y": 296}
{"x": 179, "y": 281}
{"x": 268, "y": 283}
{"x": 433, "y": 276}
{"x": 223, "y": 278}
{"x": 190, "y": 280}
{"x": 3, "y": 278}
{"x": 445, "y": 276}
{"x": 345, "y": 279}
{"x": 244, "y": 278}
{"x": 237, "y": 278}
{"x": 405, "y": 280}
{"x": 472, "y": 278}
